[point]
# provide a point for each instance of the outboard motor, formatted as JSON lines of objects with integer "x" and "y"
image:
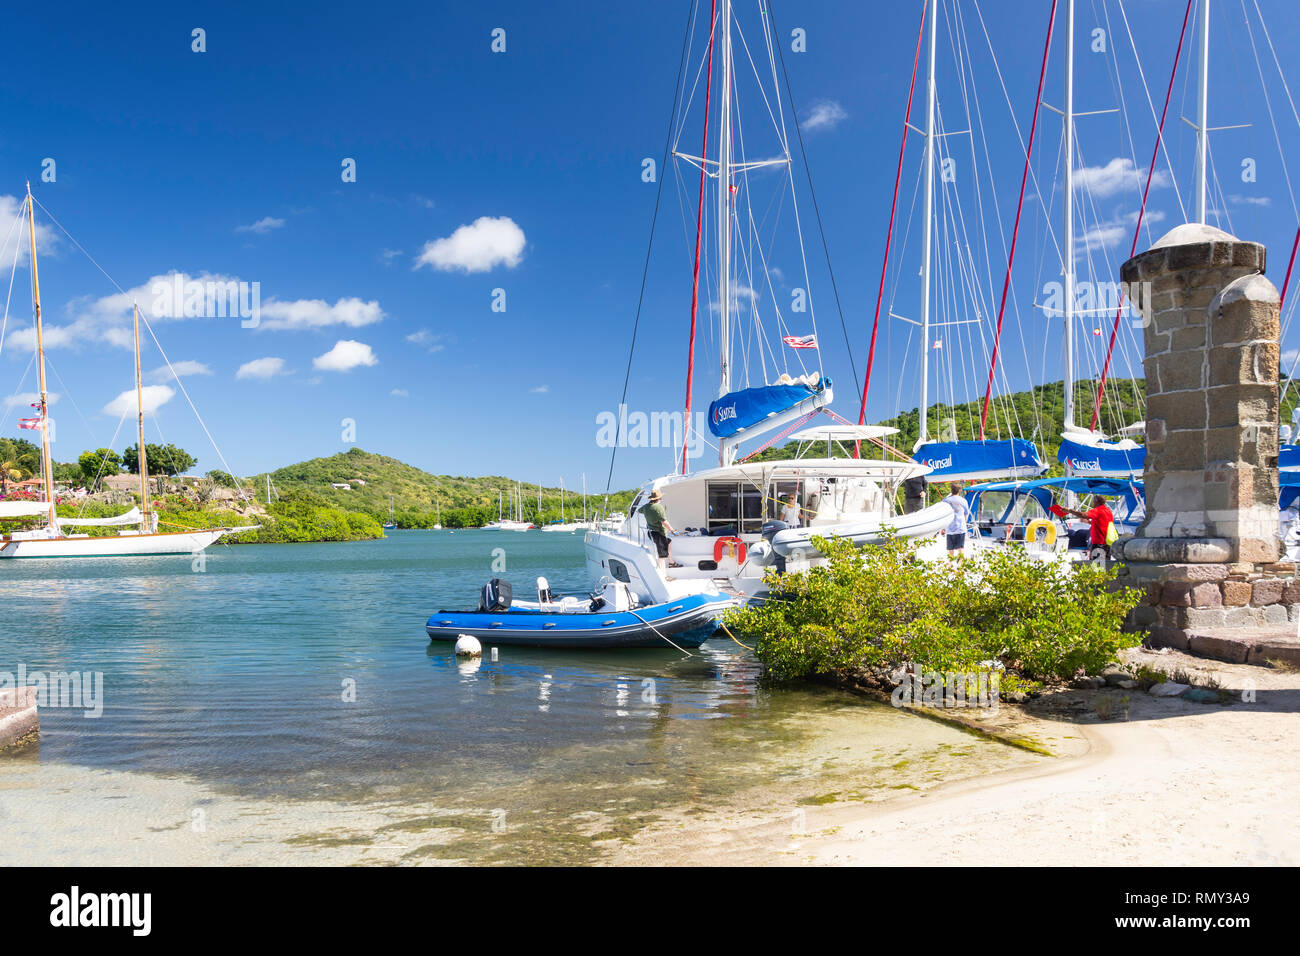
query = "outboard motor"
{"x": 497, "y": 596}
{"x": 770, "y": 530}
{"x": 544, "y": 595}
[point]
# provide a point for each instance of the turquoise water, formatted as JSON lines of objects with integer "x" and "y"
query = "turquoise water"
{"x": 303, "y": 672}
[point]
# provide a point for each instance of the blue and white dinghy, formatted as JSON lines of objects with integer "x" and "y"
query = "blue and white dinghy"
{"x": 610, "y": 619}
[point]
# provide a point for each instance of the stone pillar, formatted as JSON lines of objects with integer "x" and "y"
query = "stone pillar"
{"x": 1212, "y": 352}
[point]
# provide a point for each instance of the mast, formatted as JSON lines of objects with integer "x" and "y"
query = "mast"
{"x": 584, "y": 497}
{"x": 1068, "y": 310}
{"x": 1202, "y": 113}
{"x": 726, "y": 449}
{"x": 47, "y": 467}
{"x": 561, "y": 501}
{"x": 928, "y": 233}
{"x": 142, "y": 460}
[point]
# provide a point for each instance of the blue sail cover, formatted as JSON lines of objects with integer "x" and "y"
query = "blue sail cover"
{"x": 979, "y": 460}
{"x": 1102, "y": 460}
{"x": 736, "y": 411}
{"x": 1288, "y": 457}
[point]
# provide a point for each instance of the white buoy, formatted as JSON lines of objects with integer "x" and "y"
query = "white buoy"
{"x": 468, "y": 646}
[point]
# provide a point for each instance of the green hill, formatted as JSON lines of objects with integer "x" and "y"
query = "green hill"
{"x": 417, "y": 494}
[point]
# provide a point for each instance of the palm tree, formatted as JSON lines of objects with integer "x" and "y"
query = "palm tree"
{"x": 10, "y": 470}
{"x": 15, "y": 463}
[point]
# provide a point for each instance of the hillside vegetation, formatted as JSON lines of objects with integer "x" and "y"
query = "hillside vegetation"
{"x": 417, "y": 495}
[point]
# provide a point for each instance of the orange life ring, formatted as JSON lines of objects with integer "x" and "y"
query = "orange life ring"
{"x": 734, "y": 545}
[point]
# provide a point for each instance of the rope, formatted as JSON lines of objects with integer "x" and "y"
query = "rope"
{"x": 659, "y": 633}
{"x": 645, "y": 271}
{"x": 1015, "y": 229}
{"x": 1160, "y": 133}
{"x": 889, "y": 234}
{"x": 722, "y": 627}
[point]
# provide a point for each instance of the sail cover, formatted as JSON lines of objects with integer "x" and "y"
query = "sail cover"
{"x": 1102, "y": 459}
{"x": 23, "y": 509}
{"x": 737, "y": 411}
{"x": 980, "y": 460}
{"x": 1288, "y": 458}
{"x": 131, "y": 517}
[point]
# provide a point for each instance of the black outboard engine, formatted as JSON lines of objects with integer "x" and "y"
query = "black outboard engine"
{"x": 497, "y": 595}
{"x": 770, "y": 529}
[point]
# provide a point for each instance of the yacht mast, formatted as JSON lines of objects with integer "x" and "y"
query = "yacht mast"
{"x": 142, "y": 460}
{"x": 726, "y": 449}
{"x": 1068, "y": 308}
{"x": 928, "y": 240}
{"x": 1202, "y": 113}
{"x": 47, "y": 467}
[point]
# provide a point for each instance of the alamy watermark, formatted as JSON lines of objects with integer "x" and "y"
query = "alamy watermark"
{"x": 1099, "y": 299}
{"x": 207, "y": 299}
{"x": 73, "y": 690}
{"x": 948, "y": 689}
{"x": 649, "y": 430}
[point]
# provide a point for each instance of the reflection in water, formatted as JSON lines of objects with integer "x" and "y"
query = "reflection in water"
{"x": 303, "y": 672}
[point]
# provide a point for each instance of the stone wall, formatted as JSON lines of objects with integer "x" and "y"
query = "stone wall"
{"x": 1206, "y": 555}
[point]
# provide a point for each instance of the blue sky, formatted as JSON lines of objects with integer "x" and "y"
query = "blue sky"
{"x": 227, "y": 163}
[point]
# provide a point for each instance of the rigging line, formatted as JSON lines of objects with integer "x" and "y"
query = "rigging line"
{"x": 1268, "y": 103}
{"x": 1137, "y": 231}
{"x": 1146, "y": 90}
{"x": 889, "y": 233}
{"x": 645, "y": 271}
{"x": 812, "y": 192}
{"x": 13, "y": 273}
{"x": 1015, "y": 229}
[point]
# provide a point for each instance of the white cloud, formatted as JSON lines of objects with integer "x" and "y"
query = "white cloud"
{"x": 1250, "y": 200}
{"x": 428, "y": 339}
{"x": 479, "y": 247}
{"x": 184, "y": 368}
{"x": 399, "y": 393}
{"x": 152, "y": 398}
{"x": 540, "y": 390}
{"x": 1106, "y": 235}
{"x": 263, "y": 368}
{"x": 1118, "y": 174}
{"x": 388, "y": 255}
{"x": 107, "y": 319}
{"x": 825, "y": 114}
{"x": 262, "y": 226}
{"x": 346, "y": 354}
{"x": 27, "y": 399}
{"x": 11, "y": 233}
{"x": 317, "y": 313}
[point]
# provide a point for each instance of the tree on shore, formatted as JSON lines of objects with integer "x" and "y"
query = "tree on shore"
{"x": 97, "y": 465}
{"x": 163, "y": 459}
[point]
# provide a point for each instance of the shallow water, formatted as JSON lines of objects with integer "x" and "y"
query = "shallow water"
{"x": 294, "y": 681}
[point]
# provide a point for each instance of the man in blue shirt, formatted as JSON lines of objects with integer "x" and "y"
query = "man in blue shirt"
{"x": 960, "y": 518}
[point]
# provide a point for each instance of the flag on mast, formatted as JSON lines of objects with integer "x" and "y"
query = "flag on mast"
{"x": 34, "y": 424}
{"x": 800, "y": 341}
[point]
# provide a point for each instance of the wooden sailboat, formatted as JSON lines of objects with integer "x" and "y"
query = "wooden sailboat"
{"x": 52, "y": 541}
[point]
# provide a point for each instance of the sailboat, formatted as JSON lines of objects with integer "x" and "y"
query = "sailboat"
{"x": 572, "y": 527}
{"x": 52, "y": 540}
{"x": 727, "y": 515}
{"x": 517, "y": 523}
{"x": 438, "y": 525}
{"x": 391, "y": 523}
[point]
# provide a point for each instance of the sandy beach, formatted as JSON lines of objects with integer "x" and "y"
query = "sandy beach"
{"x": 1176, "y": 783}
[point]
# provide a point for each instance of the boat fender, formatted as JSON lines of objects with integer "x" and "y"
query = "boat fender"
{"x": 467, "y": 645}
{"x": 734, "y": 546}
{"x": 1041, "y": 524}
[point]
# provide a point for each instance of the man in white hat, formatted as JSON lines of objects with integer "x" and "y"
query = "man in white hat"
{"x": 657, "y": 524}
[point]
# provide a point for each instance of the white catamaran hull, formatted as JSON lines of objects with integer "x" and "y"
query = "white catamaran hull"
{"x": 111, "y": 546}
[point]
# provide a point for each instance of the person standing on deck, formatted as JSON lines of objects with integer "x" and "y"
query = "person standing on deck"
{"x": 960, "y": 519}
{"x": 1100, "y": 520}
{"x": 658, "y": 526}
{"x": 790, "y": 513}
{"x": 914, "y": 494}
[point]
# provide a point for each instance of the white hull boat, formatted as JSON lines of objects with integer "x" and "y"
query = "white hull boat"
{"x": 123, "y": 544}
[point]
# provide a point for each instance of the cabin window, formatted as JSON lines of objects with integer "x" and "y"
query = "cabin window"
{"x": 735, "y": 507}
{"x": 618, "y": 570}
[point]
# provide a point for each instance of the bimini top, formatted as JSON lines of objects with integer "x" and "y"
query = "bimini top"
{"x": 843, "y": 433}
{"x": 1043, "y": 488}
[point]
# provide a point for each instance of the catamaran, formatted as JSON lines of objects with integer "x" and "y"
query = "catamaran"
{"x": 727, "y": 515}
{"x": 53, "y": 540}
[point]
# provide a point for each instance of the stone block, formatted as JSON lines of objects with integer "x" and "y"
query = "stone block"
{"x": 1164, "y": 636}
{"x": 1267, "y": 591}
{"x": 1236, "y": 593}
{"x": 1219, "y": 647}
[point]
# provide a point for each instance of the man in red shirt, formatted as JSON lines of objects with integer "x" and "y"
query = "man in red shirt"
{"x": 1100, "y": 518}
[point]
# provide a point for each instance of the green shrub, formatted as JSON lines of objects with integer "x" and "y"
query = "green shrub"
{"x": 880, "y": 607}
